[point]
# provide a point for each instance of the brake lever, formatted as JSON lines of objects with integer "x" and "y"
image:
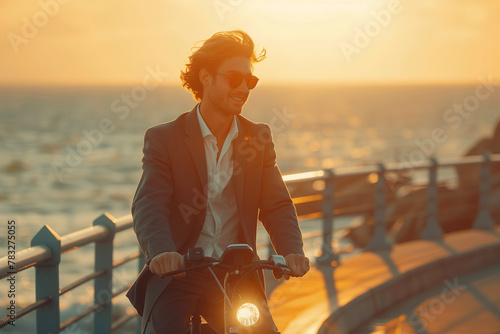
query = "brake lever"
{"x": 280, "y": 262}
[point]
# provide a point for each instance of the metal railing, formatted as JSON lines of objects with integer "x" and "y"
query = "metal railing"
{"x": 316, "y": 200}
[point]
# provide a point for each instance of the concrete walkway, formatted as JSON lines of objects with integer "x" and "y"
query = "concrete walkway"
{"x": 341, "y": 299}
{"x": 468, "y": 304}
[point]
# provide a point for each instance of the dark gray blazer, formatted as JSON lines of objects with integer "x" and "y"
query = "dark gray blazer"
{"x": 169, "y": 204}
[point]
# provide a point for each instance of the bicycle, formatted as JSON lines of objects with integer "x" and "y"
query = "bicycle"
{"x": 240, "y": 316}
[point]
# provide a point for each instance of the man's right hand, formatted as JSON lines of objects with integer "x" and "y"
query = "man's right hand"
{"x": 165, "y": 262}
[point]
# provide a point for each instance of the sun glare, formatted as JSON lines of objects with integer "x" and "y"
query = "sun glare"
{"x": 307, "y": 41}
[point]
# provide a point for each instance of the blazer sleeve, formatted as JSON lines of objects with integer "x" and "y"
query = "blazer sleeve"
{"x": 277, "y": 212}
{"x": 151, "y": 203}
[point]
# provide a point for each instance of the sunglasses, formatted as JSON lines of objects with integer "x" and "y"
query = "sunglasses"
{"x": 235, "y": 79}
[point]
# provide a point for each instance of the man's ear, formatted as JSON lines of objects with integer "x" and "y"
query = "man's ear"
{"x": 205, "y": 77}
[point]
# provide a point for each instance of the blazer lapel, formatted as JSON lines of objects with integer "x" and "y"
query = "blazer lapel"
{"x": 195, "y": 144}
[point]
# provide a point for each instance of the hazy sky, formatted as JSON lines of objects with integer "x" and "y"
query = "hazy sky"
{"x": 115, "y": 41}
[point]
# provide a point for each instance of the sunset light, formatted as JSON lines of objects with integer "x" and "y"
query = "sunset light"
{"x": 74, "y": 42}
{"x": 353, "y": 143}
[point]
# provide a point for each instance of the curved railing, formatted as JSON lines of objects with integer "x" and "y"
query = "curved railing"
{"x": 314, "y": 195}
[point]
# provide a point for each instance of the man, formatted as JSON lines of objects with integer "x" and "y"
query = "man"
{"x": 207, "y": 177}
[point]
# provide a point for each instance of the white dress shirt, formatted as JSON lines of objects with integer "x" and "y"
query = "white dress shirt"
{"x": 221, "y": 220}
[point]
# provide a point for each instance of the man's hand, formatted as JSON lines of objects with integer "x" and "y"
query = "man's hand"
{"x": 299, "y": 264}
{"x": 165, "y": 262}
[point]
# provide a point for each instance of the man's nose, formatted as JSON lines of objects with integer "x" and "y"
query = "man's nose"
{"x": 243, "y": 86}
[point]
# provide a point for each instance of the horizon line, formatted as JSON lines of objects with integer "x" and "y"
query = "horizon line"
{"x": 269, "y": 83}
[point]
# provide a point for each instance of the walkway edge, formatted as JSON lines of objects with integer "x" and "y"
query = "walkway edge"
{"x": 361, "y": 309}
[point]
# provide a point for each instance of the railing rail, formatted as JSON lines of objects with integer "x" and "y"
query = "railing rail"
{"x": 47, "y": 247}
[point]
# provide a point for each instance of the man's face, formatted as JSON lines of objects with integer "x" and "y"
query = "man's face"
{"x": 220, "y": 94}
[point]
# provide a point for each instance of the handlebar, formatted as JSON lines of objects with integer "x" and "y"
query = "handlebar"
{"x": 195, "y": 260}
{"x": 279, "y": 269}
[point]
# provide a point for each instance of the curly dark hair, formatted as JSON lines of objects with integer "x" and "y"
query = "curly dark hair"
{"x": 220, "y": 46}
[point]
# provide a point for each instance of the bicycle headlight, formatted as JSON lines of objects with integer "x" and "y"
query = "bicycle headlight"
{"x": 248, "y": 314}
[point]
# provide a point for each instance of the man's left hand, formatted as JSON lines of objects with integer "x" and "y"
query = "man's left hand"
{"x": 299, "y": 264}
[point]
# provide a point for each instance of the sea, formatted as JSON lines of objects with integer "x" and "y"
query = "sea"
{"x": 69, "y": 154}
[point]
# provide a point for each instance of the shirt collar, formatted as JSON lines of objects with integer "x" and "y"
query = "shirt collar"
{"x": 205, "y": 131}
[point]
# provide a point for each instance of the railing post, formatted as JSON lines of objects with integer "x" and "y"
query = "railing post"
{"x": 483, "y": 220}
{"x": 379, "y": 240}
{"x": 103, "y": 284}
{"x": 327, "y": 255}
{"x": 432, "y": 229}
{"x": 47, "y": 281}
